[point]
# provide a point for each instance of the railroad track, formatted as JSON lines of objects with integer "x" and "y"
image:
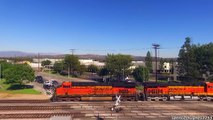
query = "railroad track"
{"x": 24, "y": 101}
{"x": 39, "y": 115}
{"x": 62, "y": 107}
{"x": 16, "y": 111}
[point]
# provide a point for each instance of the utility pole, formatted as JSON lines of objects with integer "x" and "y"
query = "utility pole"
{"x": 123, "y": 75}
{"x": 72, "y": 51}
{"x": 70, "y": 67}
{"x": 156, "y": 46}
{"x": 0, "y": 71}
{"x": 38, "y": 62}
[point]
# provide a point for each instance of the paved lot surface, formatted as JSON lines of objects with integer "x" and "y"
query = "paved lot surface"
{"x": 144, "y": 110}
{"x": 60, "y": 79}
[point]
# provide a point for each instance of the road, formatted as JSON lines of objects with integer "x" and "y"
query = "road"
{"x": 59, "y": 78}
{"x": 144, "y": 110}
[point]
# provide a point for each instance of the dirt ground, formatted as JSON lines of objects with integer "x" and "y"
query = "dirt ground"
{"x": 4, "y": 96}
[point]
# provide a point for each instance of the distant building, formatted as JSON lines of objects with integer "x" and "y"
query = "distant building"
{"x": 166, "y": 67}
{"x": 136, "y": 64}
{"x": 88, "y": 62}
{"x": 36, "y": 60}
{"x": 35, "y": 65}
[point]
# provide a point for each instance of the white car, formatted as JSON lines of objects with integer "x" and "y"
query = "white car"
{"x": 48, "y": 83}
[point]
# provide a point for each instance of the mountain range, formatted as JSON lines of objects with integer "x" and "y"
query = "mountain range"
{"x": 6, "y": 54}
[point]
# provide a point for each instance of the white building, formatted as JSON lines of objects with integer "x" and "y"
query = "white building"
{"x": 36, "y": 60}
{"x": 137, "y": 64}
{"x": 166, "y": 67}
{"x": 35, "y": 65}
{"x": 88, "y": 62}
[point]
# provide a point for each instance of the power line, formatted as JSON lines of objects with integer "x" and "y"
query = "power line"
{"x": 114, "y": 50}
{"x": 72, "y": 51}
{"x": 126, "y": 49}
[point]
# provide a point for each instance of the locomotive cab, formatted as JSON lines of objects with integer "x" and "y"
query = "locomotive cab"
{"x": 66, "y": 84}
{"x": 63, "y": 89}
{"x": 209, "y": 88}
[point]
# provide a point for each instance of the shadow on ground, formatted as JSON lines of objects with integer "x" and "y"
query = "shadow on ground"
{"x": 18, "y": 86}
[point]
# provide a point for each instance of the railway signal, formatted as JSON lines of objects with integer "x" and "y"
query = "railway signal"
{"x": 116, "y": 107}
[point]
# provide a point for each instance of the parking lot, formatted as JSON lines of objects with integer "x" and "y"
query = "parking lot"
{"x": 60, "y": 79}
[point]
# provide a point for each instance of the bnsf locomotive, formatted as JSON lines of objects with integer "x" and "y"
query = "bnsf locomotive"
{"x": 77, "y": 91}
{"x": 166, "y": 90}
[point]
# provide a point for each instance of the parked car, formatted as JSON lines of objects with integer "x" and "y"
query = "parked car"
{"x": 48, "y": 83}
{"x": 39, "y": 79}
{"x": 55, "y": 83}
{"x": 48, "y": 87}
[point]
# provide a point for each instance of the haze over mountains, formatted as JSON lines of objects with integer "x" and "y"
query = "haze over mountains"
{"x": 15, "y": 54}
{"x": 58, "y": 55}
{"x": 22, "y": 54}
{"x": 55, "y": 55}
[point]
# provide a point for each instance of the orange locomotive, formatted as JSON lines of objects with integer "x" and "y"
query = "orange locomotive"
{"x": 77, "y": 91}
{"x": 164, "y": 91}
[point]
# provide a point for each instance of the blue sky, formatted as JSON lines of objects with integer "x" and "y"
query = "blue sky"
{"x": 104, "y": 26}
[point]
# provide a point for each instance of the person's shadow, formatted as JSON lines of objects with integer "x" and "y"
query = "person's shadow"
{"x": 98, "y": 117}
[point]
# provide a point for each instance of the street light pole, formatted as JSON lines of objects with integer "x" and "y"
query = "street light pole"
{"x": 0, "y": 71}
{"x": 70, "y": 66}
{"x": 68, "y": 71}
{"x": 123, "y": 74}
{"x": 38, "y": 62}
{"x": 49, "y": 72}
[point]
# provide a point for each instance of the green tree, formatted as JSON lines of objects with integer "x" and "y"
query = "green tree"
{"x": 4, "y": 65}
{"x": 20, "y": 59}
{"x": 141, "y": 74}
{"x": 19, "y": 73}
{"x": 161, "y": 63}
{"x": 196, "y": 61}
{"x": 118, "y": 65}
{"x": 187, "y": 65}
{"x": 148, "y": 61}
{"x": 92, "y": 68}
{"x": 103, "y": 72}
{"x": 204, "y": 59}
{"x": 46, "y": 62}
{"x": 171, "y": 61}
{"x": 71, "y": 63}
{"x": 58, "y": 66}
{"x": 81, "y": 69}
